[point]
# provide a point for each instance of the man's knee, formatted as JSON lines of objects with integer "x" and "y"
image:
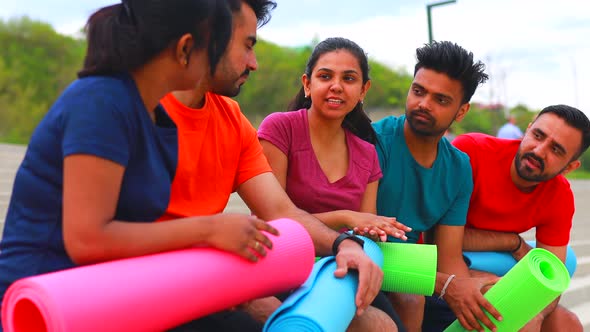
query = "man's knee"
{"x": 410, "y": 308}
{"x": 562, "y": 319}
{"x": 372, "y": 319}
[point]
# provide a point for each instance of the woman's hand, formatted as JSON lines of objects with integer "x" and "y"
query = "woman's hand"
{"x": 377, "y": 227}
{"x": 240, "y": 234}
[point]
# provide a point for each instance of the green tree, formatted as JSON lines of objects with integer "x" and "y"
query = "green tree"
{"x": 36, "y": 64}
{"x": 278, "y": 79}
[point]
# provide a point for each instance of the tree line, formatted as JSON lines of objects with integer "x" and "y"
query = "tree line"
{"x": 37, "y": 64}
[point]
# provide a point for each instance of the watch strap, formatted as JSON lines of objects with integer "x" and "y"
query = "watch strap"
{"x": 345, "y": 236}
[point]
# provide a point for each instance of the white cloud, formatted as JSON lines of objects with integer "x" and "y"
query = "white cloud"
{"x": 71, "y": 28}
{"x": 536, "y": 51}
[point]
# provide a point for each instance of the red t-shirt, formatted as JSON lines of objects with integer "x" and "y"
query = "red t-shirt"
{"x": 497, "y": 205}
{"x": 218, "y": 149}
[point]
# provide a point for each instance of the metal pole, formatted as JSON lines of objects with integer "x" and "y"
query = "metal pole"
{"x": 428, "y": 10}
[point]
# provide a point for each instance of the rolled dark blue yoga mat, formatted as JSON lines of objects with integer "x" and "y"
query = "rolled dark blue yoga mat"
{"x": 500, "y": 262}
{"x": 323, "y": 303}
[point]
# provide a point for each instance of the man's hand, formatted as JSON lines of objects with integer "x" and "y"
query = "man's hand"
{"x": 466, "y": 300}
{"x": 352, "y": 256}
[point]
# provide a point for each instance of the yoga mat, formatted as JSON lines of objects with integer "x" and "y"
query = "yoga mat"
{"x": 499, "y": 262}
{"x": 323, "y": 303}
{"x": 409, "y": 268}
{"x": 534, "y": 282}
{"x": 156, "y": 292}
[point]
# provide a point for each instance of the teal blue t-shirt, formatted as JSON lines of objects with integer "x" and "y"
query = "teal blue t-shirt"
{"x": 420, "y": 197}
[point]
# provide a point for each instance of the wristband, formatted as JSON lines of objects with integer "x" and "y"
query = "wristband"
{"x": 444, "y": 289}
{"x": 345, "y": 236}
{"x": 519, "y": 244}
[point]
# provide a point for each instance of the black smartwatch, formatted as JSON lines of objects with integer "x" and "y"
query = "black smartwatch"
{"x": 346, "y": 236}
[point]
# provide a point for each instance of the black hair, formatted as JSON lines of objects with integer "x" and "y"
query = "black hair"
{"x": 125, "y": 36}
{"x": 575, "y": 118}
{"x": 357, "y": 120}
{"x": 454, "y": 61}
{"x": 261, "y": 8}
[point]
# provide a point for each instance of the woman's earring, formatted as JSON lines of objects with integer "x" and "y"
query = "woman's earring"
{"x": 362, "y": 102}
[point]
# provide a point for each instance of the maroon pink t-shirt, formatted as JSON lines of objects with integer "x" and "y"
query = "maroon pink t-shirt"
{"x": 307, "y": 185}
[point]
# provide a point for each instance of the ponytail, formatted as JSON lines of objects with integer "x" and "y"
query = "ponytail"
{"x": 299, "y": 102}
{"x": 359, "y": 123}
{"x": 125, "y": 36}
{"x": 112, "y": 43}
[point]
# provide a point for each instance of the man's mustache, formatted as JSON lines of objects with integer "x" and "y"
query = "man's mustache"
{"x": 423, "y": 113}
{"x": 531, "y": 155}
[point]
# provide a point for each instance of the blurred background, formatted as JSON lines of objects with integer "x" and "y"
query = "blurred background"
{"x": 535, "y": 52}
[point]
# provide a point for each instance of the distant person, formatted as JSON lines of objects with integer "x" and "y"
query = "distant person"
{"x": 98, "y": 168}
{"x": 510, "y": 130}
{"x": 520, "y": 185}
{"x": 322, "y": 149}
{"x": 219, "y": 153}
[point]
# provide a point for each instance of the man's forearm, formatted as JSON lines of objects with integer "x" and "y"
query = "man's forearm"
{"x": 267, "y": 199}
{"x": 323, "y": 237}
{"x": 483, "y": 240}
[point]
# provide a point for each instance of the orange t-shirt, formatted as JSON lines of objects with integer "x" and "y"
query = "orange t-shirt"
{"x": 218, "y": 150}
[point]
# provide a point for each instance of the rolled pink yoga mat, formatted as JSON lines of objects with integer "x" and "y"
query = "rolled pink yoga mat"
{"x": 156, "y": 292}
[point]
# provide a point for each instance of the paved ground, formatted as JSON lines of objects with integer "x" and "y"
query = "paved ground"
{"x": 576, "y": 298}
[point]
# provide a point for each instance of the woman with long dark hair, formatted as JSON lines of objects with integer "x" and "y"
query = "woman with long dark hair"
{"x": 322, "y": 150}
{"x": 98, "y": 168}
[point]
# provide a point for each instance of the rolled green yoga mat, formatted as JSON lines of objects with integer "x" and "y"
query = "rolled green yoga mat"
{"x": 534, "y": 282}
{"x": 408, "y": 268}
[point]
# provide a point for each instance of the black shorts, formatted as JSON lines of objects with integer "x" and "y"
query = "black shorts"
{"x": 437, "y": 315}
{"x": 241, "y": 321}
{"x": 222, "y": 321}
{"x": 380, "y": 302}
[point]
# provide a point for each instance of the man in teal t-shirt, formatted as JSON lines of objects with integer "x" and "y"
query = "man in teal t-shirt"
{"x": 427, "y": 182}
{"x": 418, "y": 195}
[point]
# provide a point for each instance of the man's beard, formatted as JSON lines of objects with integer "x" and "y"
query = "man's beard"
{"x": 424, "y": 128}
{"x": 524, "y": 172}
{"x": 229, "y": 88}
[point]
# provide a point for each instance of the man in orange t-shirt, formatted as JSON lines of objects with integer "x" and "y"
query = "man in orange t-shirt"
{"x": 209, "y": 170}
{"x": 219, "y": 153}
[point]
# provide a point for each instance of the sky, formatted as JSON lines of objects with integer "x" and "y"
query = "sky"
{"x": 537, "y": 52}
